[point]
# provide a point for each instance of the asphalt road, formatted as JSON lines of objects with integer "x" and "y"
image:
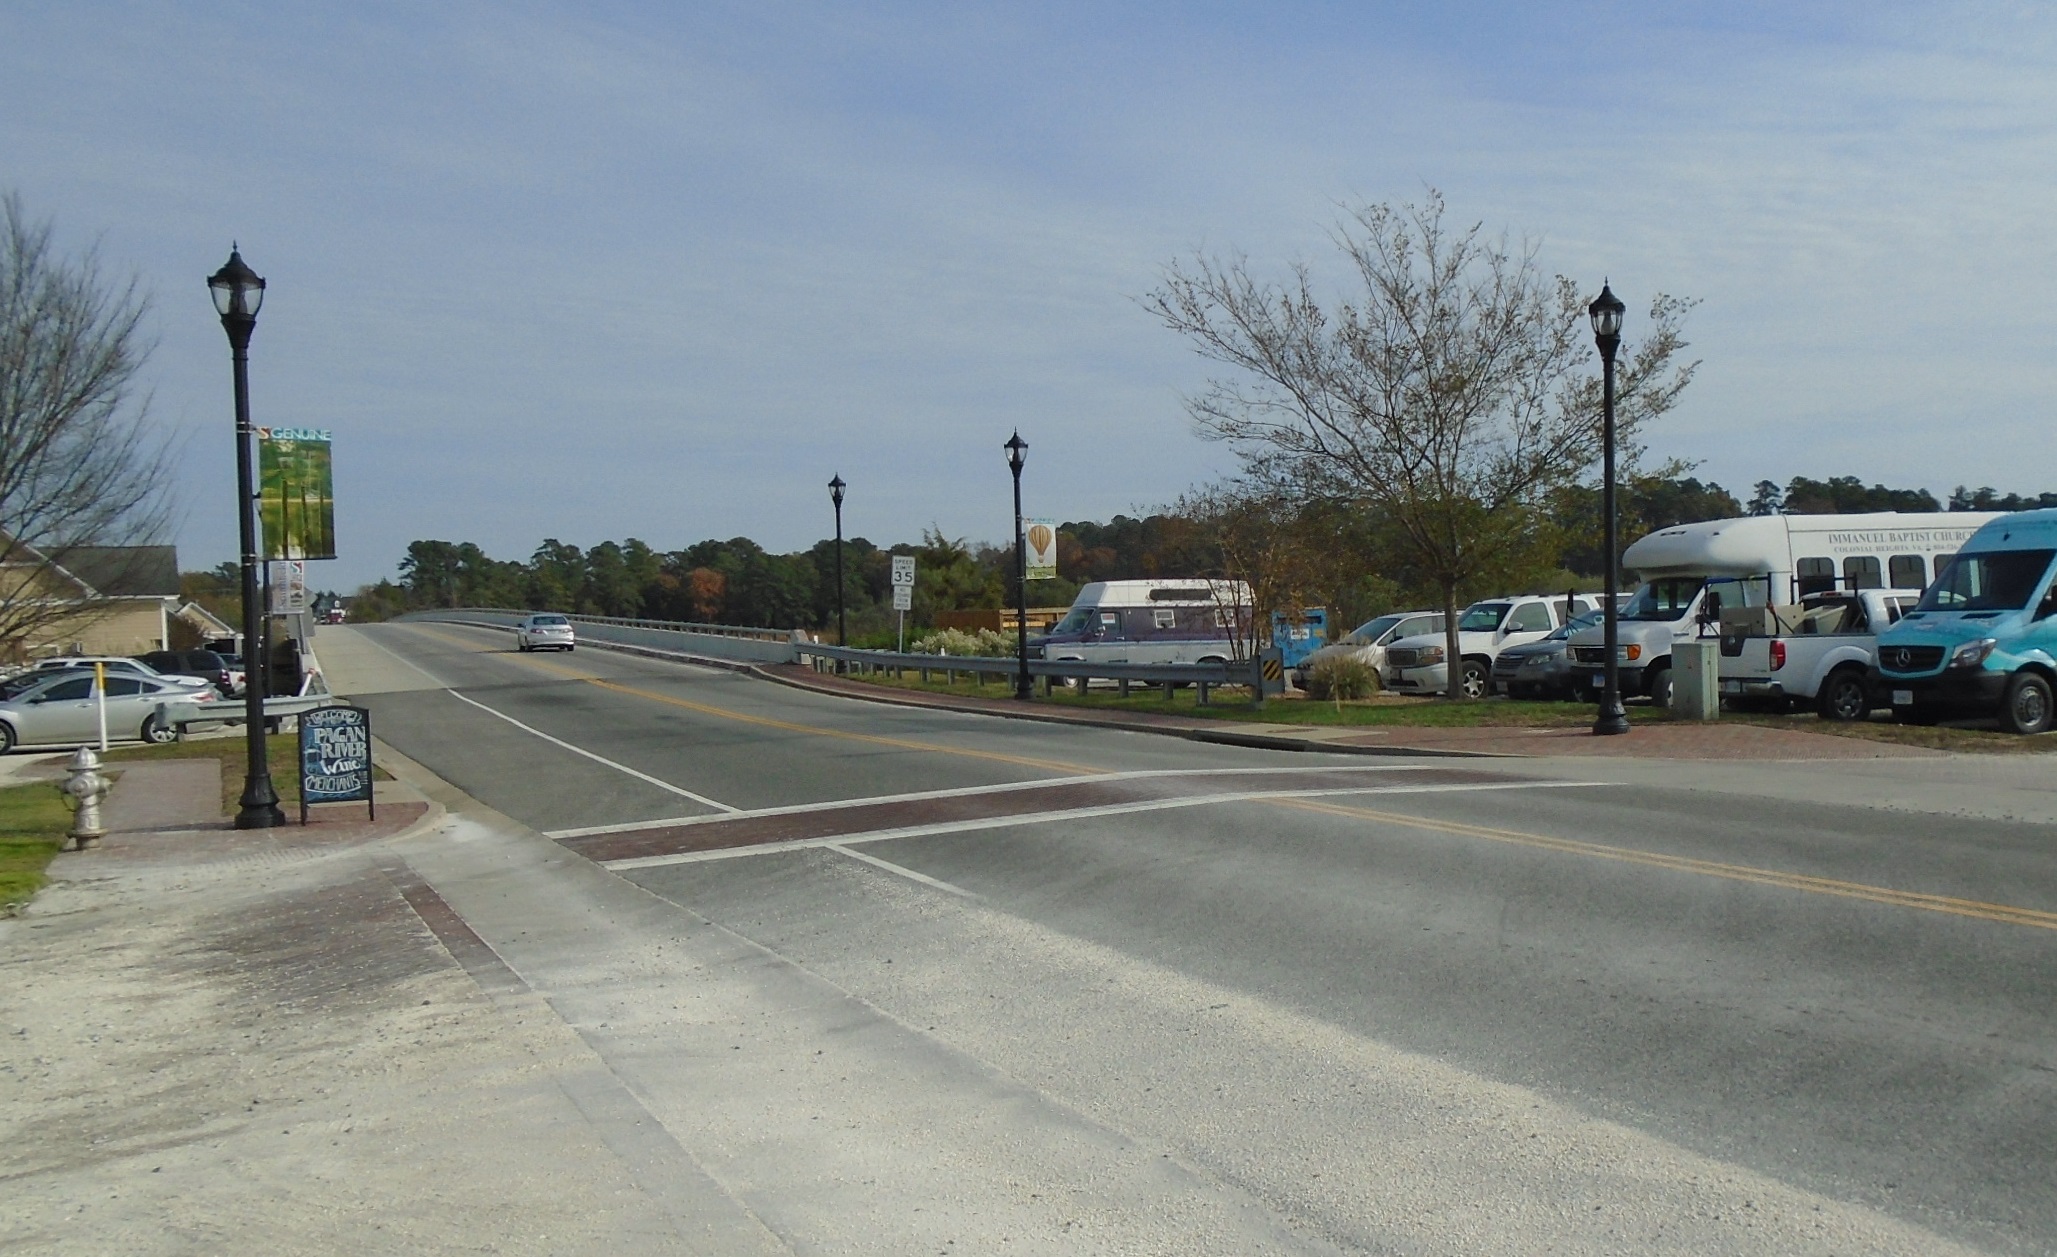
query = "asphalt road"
{"x": 1210, "y": 999}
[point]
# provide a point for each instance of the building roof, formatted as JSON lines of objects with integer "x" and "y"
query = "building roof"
{"x": 124, "y": 571}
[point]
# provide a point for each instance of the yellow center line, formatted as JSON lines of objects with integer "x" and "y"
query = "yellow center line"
{"x": 770, "y": 722}
{"x": 1973, "y": 908}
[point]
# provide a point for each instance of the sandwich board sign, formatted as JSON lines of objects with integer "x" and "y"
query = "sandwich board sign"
{"x": 335, "y": 758}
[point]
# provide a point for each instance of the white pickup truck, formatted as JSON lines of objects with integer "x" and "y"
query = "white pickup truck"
{"x": 1821, "y": 651}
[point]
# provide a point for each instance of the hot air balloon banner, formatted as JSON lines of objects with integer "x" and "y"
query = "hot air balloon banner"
{"x": 1042, "y": 549}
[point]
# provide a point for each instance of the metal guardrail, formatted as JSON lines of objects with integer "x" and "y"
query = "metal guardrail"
{"x": 675, "y": 626}
{"x": 180, "y": 713}
{"x": 1202, "y": 676}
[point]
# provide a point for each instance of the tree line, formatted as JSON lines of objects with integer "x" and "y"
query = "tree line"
{"x": 1357, "y": 563}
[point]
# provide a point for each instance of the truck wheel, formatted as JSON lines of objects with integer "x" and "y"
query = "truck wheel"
{"x": 1843, "y": 697}
{"x": 1660, "y": 687}
{"x": 1474, "y": 681}
{"x": 2027, "y": 707}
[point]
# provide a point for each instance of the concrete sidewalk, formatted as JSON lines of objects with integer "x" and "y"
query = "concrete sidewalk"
{"x": 222, "y": 1041}
{"x": 1653, "y": 740}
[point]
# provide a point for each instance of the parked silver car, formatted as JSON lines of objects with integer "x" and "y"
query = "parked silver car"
{"x": 119, "y": 663}
{"x": 1368, "y": 641}
{"x": 545, "y": 630}
{"x": 62, "y": 709}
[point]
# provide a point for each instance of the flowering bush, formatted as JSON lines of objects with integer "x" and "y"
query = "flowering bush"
{"x": 959, "y": 642}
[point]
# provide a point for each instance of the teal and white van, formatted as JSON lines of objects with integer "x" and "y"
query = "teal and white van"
{"x": 1983, "y": 639}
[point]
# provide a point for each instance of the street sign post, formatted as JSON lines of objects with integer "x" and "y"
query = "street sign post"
{"x": 335, "y": 758}
{"x": 903, "y": 592}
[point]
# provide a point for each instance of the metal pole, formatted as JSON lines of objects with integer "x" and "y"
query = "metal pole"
{"x": 842, "y": 625}
{"x": 1612, "y": 717}
{"x": 1024, "y": 689}
{"x": 259, "y": 806}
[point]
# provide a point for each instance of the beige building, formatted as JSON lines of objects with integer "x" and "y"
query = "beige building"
{"x": 100, "y": 600}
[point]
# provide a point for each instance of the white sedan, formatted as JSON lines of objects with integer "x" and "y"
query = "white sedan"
{"x": 544, "y": 631}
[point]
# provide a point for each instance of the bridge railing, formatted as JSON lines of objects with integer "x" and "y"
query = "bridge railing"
{"x": 1204, "y": 677}
{"x": 715, "y": 641}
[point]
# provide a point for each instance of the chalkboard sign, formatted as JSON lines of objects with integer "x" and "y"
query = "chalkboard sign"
{"x": 335, "y": 758}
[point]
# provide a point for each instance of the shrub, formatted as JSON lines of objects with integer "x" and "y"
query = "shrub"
{"x": 1342, "y": 677}
{"x": 959, "y": 642}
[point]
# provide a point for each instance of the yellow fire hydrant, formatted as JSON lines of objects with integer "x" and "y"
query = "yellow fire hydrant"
{"x": 87, "y": 788}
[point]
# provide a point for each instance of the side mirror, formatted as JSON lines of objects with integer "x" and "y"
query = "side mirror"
{"x": 2048, "y": 607}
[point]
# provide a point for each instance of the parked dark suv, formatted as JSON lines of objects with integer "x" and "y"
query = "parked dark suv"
{"x": 193, "y": 663}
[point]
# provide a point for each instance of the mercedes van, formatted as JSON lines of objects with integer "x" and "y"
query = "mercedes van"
{"x": 1983, "y": 639}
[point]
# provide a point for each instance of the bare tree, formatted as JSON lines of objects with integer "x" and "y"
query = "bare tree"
{"x": 1258, "y": 525}
{"x": 79, "y": 467}
{"x": 1450, "y": 394}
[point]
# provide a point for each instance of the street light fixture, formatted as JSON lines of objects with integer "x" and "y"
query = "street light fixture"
{"x": 1606, "y": 312}
{"x": 836, "y": 488}
{"x": 1017, "y": 454}
{"x": 238, "y": 292}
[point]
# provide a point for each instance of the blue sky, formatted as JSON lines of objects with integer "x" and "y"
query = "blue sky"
{"x": 600, "y": 270}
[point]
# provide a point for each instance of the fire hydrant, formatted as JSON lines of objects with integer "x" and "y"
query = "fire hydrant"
{"x": 87, "y": 788}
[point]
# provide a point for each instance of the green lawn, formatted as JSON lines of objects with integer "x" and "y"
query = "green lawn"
{"x": 33, "y": 821}
{"x": 1233, "y": 703}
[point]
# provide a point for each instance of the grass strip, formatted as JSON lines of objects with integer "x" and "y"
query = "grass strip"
{"x": 1407, "y": 711}
{"x": 281, "y": 750}
{"x": 33, "y": 821}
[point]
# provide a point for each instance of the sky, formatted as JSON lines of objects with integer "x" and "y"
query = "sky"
{"x": 599, "y": 270}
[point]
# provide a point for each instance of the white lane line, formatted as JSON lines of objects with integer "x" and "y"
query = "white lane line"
{"x": 599, "y": 759}
{"x": 960, "y": 792}
{"x": 909, "y": 874}
{"x": 1067, "y": 814}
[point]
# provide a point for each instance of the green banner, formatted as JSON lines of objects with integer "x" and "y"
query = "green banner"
{"x": 296, "y": 495}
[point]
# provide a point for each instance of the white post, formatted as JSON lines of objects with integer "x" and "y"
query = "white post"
{"x": 903, "y": 632}
{"x": 100, "y": 689}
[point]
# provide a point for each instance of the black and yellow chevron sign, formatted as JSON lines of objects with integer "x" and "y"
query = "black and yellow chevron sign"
{"x": 1274, "y": 670}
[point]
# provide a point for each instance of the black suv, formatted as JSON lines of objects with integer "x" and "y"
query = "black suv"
{"x": 193, "y": 663}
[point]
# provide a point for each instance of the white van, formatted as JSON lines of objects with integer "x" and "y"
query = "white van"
{"x": 1689, "y": 572}
{"x": 1151, "y": 621}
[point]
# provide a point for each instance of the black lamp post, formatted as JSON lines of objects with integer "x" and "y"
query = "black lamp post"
{"x": 1606, "y": 312}
{"x": 1017, "y": 454}
{"x": 238, "y": 292}
{"x": 836, "y": 487}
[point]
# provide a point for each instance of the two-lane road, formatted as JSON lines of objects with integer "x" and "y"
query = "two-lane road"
{"x": 911, "y": 977}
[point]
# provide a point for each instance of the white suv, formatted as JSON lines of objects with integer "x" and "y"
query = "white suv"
{"x": 546, "y": 630}
{"x": 1415, "y": 665}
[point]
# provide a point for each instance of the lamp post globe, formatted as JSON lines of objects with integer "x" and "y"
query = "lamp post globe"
{"x": 1017, "y": 456}
{"x": 238, "y": 293}
{"x": 1606, "y": 311}
{"x": 836, "y": 487}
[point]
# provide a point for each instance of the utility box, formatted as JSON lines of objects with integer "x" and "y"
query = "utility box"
{"x": 1271, "y": 673}
{"x": 1696, "y": 679}
{"x": 1297, "y": 637}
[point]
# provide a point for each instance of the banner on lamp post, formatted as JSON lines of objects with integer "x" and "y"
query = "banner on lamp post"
{"x": 296, "y": 494}
{"x": 1042, "y": 548}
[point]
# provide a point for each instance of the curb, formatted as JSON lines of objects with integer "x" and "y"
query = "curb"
{"x": 1223, "y": 737}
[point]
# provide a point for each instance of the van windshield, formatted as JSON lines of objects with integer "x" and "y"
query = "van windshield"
{"x": 1670, "y": 598}
{"x": 1997, "y": 580}
{"x": 1371, "y": 630}
{"x": 1075, "y": 620}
